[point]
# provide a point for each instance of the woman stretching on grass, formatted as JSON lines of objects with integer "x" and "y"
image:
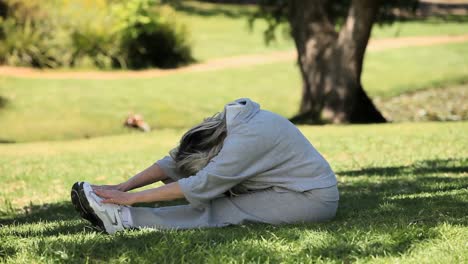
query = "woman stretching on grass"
{"x": 241, "y": 165}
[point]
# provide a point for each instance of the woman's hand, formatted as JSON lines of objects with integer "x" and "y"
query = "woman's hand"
{"x": 119, "y": 187}
{"x": 116, "y": 196}
{"x": 150, "y": 175}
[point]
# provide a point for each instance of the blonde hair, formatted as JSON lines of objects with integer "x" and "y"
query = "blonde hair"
{"x": 200, "y": 144}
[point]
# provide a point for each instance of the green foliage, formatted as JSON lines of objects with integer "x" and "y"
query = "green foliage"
{"x": 151, "y": 38}
{"x": 104, "y": 33}
{"x": 29, "y": 38}
{"x": 221, "y": 30}
{"x": 276, "y": 12}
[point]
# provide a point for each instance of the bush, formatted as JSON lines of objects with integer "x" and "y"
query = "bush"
{"x": 152, "y": 38}
{"x": 99, "y": 33}
{"x": 28, "y": 38}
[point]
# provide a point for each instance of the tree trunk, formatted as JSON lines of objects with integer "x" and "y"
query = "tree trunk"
{"x": 331, "y": 62}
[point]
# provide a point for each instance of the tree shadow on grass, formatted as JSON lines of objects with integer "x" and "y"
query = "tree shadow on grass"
{"x": 44, "y": 221}
{"x": 383, "y": 211}
{"x": 421, "y": 190}
{"x": 214, "y": 10}
{"x": 217, "y": 10}
{"x": 421, "y": 167}
{"x": 3, "y": 102}
{"x": 37, "y": 213}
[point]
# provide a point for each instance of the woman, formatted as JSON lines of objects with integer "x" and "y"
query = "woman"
{"x": 242, "y": 165}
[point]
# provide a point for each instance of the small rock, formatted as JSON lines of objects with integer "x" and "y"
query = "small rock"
{"x": 136, "y": 121}
{"x": 422, "y": 112}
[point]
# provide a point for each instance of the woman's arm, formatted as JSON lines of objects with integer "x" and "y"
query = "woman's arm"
{"x": 150, "y": 175}
{"x": 167, "y": 192}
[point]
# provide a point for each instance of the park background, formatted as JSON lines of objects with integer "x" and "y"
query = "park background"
{"x": 403, "y": 183}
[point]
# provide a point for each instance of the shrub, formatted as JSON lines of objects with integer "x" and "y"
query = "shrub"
{"x": 99, "y": 33}
{"x": 93, "y": 33}
{"x": 28, "y": 38}
{"x": 150, "y": 37}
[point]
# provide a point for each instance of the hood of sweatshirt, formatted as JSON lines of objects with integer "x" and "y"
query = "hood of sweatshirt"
{"x": 240, "y": 110}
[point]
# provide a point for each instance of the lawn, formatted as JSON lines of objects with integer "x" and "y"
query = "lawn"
{"x": 40, "y": 109}
{"x": 403, "y": 186}
{"x": 64, "y": 109}
{"x": 404, "y": 190}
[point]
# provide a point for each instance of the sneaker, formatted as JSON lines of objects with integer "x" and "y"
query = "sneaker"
{"x": 108, "y": 215}
{"x": 80, "y": 204}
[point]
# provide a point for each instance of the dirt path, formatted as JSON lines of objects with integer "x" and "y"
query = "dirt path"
{"x": 218, "y": 64}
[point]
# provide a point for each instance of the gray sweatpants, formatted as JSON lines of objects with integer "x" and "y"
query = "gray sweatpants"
{"x": 265, "y": 206}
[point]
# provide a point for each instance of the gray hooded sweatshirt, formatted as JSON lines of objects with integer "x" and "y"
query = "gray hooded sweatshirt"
{"x": 261, "y": 150}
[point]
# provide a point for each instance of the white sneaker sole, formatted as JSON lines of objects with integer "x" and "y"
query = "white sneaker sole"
{"x": 112, "y": 223}
{"x": 81, "y": 205}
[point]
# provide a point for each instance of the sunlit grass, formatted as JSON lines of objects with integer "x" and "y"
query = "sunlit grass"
{"x": 39, "y": 109}
{"x": 404, "y": 189}
{"x": 403, "y": 186}
{"x": 394, "y": 72}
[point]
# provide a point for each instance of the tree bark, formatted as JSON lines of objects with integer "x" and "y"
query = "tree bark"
{"x": 330, "y": 62}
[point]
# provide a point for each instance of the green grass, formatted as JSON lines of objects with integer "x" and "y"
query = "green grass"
{"x": 432, "y": 26}
{"x": 394, "y": 72}
{"x": 220, "y": 30}
{"x": 404, "y": 190}
{"x": 404, "y": 186}
{"x": 41, "y": 109}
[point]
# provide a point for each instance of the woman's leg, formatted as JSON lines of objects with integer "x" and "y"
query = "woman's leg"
{"x": 267, "y": 206}
{"x": 283, "y": 207}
